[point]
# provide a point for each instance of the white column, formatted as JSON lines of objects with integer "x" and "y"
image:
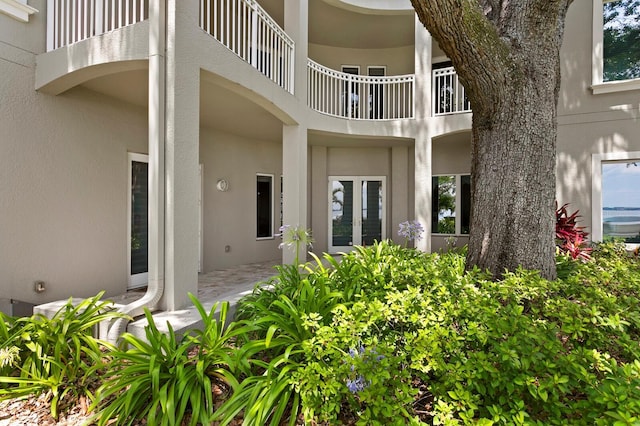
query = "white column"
{"x": 294, "y": 137}
{"x": 319, "y": 198}
{"x": 296, "y": 25}
{"x": 181, "y": 157}
{"x": 399, "y": 190}
{"x": 423, "y": 172}
{"x": 294, "y": 172}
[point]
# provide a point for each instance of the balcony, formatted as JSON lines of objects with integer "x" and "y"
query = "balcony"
{"x": 358, "y": 97}
{"x": 245, "y": 28}
{"x": 241, "y": 25}
{"x": 449, "y": 96}
{"x": 71, "y": 21}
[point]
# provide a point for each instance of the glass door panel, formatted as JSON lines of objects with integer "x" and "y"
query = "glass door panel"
{"x": 138, "y": 221}
{"x": 371, "y": 193}
{"x": 341, "y": 213}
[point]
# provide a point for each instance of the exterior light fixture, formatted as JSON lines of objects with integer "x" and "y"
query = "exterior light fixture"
{"x": 222, "y": 185}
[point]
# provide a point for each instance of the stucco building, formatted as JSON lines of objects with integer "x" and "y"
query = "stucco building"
{"x": 145, "y": 141}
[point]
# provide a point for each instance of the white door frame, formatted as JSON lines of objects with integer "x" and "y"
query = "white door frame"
{"x": 357, "y": 210}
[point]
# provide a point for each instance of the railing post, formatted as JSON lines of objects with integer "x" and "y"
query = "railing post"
{"x": 50, "y": 25}
{"x": 99, "y": 17}
{"x": 254, "y": 33}
{"x": 292, "y": 69}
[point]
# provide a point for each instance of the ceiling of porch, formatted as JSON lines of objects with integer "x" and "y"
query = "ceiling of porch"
{"x": 220, "y": 108}
{"x": 347, "y": 27}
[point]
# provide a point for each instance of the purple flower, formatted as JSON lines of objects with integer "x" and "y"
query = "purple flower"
{"x": 357, "y": 385}
{"x": 412, "y": 231}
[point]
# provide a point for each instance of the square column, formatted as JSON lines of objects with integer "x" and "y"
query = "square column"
{"x": 400, "y": 187}
{"x": 423, "y": 170}
{"x": 182, "y": 181}
{"x": 296, "y": 25}
{"x": 294, "y": 171}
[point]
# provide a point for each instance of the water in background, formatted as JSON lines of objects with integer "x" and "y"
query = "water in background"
{"x": 618, "y": 213}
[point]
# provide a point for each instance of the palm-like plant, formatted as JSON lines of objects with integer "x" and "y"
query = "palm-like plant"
{"x": 167, "y": 378}
{"x": 59, "y": 355}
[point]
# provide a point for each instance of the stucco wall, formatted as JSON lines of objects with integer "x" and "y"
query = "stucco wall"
{"x": 230, "y": 217}
{"x": 399, "y": 61}
{"x": 63, "y": 168}
{"x": 588, "y": 124}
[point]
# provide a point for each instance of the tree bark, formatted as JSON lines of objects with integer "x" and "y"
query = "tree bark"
{"x": 507, "y": 55}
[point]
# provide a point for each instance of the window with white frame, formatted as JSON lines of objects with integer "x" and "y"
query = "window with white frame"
{"x": 621, "y": 40}
{"x": 621, "y": 200}
{"x": 264, "y": 206}
{"x": 451, "y": 204}
{"x": 616, "y": 197}
{"x": 616, "y": 45}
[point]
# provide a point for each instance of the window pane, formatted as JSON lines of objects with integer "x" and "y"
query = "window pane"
{"x": 621, "y": 40}
{"x": 465, "y": 208}
{"x": 621, "y": 200}
{"x": 139, "y": 217}
{"x": 443, "y": 209}
{"x": 371, "y": 193}
{"x": 342, "y": 213}
{"x": 264, "y": 206}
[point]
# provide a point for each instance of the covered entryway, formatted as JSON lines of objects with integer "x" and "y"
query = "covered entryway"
{"x": 357, "y": 212}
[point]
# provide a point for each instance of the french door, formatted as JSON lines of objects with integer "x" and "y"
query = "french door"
{"x": 356, "y": 211}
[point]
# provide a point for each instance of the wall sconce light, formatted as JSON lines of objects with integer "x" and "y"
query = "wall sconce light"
{"x": 222, "y": 185}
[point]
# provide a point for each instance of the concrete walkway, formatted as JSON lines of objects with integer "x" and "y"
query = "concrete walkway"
{"x": 213, "y": 284}
{"x": 220, "y": 285}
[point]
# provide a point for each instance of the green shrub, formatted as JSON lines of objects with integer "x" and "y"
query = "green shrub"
{"x": 458, "y": 348}
{"x": 58, "y": 355}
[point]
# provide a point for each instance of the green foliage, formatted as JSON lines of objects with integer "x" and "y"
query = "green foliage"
{"x": 278, "y": 314}
{"x": 165, "y": 378}
{"x": 416, "y": 338}
{"x": 58, "y": 355}
{"x": 387, "y": 336}
{"x": 348, "y": 371}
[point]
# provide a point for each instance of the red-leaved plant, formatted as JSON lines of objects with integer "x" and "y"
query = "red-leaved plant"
{"x": 571, "y": 238}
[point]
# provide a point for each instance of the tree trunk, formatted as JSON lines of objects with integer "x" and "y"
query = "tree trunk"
{"x": 506, "y": 53}
{"x": 513, "y": 185}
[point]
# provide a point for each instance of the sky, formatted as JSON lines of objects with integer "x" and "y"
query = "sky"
{"x": 621, "y": 184}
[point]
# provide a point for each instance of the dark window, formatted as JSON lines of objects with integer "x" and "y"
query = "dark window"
{"x": 451, "y": 204}
{"x": 139, "y": 217}
{"x": 264, "y": 203}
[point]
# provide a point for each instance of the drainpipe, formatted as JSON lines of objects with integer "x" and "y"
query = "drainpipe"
{"x": 157, "y": 91}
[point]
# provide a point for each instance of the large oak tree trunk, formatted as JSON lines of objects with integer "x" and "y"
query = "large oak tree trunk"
{"x": 506, "y": 53}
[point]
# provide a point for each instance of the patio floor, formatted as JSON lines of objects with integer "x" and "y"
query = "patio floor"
{"x": 219, "y": 282}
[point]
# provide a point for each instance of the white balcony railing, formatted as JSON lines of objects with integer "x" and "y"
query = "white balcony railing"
{"x": 359, "y": 97}
{"x": 246, "y": 29}
{"x": 449, "y": 96}
{"x": 70, "y": 21}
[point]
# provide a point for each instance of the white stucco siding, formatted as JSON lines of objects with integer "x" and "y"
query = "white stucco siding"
{"x": 230, "y": 217}
{"x": 63, "y": 168}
